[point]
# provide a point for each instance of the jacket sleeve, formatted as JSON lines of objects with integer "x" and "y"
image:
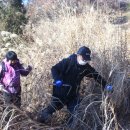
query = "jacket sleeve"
{"x": 23, "y": 71}
{"x": 59, "y": 69}
{"x": 92, "y": 73}
{"x": 0, "y": 73}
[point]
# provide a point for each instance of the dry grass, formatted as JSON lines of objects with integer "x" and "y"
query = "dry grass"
{"x": 54, "y": 40}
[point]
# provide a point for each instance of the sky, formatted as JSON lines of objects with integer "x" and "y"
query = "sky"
{"x": 25, "y": 2}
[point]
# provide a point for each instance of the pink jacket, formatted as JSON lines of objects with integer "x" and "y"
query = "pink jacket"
{"x": 11, "y": 79}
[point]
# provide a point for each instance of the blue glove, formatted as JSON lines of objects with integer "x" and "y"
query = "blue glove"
{"x": 58, "y": 83}
{"x": 109, "y": 88}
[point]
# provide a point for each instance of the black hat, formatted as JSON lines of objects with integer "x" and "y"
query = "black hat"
{"x": 85, "y": 53}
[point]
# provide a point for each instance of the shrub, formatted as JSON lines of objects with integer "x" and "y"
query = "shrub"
{"x": 12, "y": 18}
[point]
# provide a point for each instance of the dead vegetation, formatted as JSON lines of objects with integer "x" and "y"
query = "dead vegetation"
{"x": 54, "y": 40}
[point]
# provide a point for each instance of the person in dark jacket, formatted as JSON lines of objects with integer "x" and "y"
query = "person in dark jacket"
{"x": 67, "y": 75}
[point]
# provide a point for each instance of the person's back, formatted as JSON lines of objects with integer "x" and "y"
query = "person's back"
{"x": 72, "y": 73}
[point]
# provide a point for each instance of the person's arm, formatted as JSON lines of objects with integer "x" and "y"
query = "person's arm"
{"x": 1, "y": 77}
{"x": 23, "y": 71}
{"x": 59, "y": 69}
{"x": 92, "y": 73}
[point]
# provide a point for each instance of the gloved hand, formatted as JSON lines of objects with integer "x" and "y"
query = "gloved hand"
{"x": 58, "y": 83}
{"x": 109, "y": 88}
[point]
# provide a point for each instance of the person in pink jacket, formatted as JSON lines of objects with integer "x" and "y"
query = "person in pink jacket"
{"x": 10, "y": 71}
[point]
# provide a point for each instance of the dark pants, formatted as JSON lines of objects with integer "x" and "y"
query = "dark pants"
{"x": 57, "y": 104}
{"x": 14, "y": 99}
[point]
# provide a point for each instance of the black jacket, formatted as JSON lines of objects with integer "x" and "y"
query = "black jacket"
{"x": 70, "y": 72}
